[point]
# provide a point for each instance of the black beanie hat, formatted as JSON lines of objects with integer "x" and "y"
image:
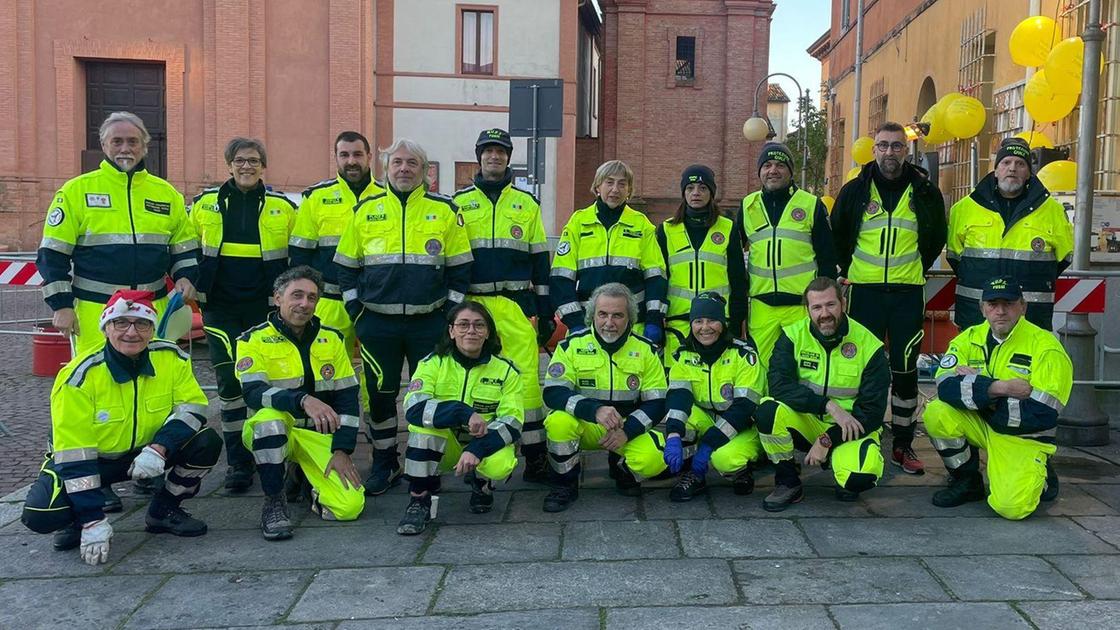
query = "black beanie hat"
{"x": 496, "y": 136}
{"x": 708, "y": 304}
{"x": 775, "y": 151}
{"x": 1014, "y": 147}
{"x": 698, "y": 173}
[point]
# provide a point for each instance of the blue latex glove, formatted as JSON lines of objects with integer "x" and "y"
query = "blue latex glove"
{"x": 674, "y": 454}
{"x": 700, "y": 460}
{"x": 654, "y": 333}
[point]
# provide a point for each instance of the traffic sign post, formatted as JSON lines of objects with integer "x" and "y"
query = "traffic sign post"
{"x": 536, "y": 111}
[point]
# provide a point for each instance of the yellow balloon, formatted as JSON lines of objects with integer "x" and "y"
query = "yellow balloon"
{"x": 1059, "y": 176}
{"x": 1041, "y": 101}
{"x": 828, "y": 203}
{"x": 1063, "y": 66}
{"x": 1032, "y": 40}
{"x": 863, "y": 150}
{"x": 1036, "y": 139}
{"x": 852, "y": 174}
{"x": 937, "y": 133}
{"x": 944, "y": 102}
{"x": 964, "y": 117}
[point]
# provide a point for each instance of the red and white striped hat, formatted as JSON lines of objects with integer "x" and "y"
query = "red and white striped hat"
{"x": 129, "y": 303}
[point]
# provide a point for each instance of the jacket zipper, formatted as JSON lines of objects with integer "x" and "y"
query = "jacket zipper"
{"x": 135, "y": 402}
{"x": 888, "y": 249}
{"x": 132, "y": 224}
{"x": 827, "y": 369}
{"x": 404, "y": 203}
{"x": 466, "y": 379}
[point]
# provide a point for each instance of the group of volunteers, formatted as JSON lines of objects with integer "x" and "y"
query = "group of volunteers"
{"x": 709, "y": 341}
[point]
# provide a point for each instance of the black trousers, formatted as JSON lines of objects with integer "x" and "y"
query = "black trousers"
{"x": 897, "y": 317}
{"x": 223, "y": 324}
{"x": 48, "y": 509}
{"x": 387, "y": 342}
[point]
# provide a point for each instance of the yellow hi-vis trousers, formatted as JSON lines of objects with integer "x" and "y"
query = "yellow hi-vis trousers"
{"x": 858, "y": 461}
{"x": 333, "y": 313}
{"x": 432, "y": 452}
{"x": 568, "y": 435}
{"x": 519, "y": 344}
{"x": 728, "y": 459}
{"x": 765, "y": 322}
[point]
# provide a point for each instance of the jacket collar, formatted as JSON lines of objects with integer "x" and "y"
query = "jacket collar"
{"x": 310, "y": 332}
{"x": 110, "y": 169}
{"x": 123, "y": 369}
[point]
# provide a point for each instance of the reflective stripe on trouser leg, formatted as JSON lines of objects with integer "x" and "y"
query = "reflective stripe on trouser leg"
{"x": 381, "y": 426}
{"x": 778, "y": 442}
{"x": 426, "y": 449}
{"x": 233, "y": 413}
{"x": 312, "y": 451}
{"x": 563, "y": 432}
{"x": 904, "y": 384}
{"x": 946, "y": 428}
{"x": 266, "y": 433}
{"x": 192, "y": 461}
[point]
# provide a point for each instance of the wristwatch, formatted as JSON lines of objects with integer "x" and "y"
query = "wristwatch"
{"x": 825, "y": 440}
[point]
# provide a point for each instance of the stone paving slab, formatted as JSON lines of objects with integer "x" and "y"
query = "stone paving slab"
{"x": 220, "y": 599}
{"x": 620, "y": 540}
{"x": 1098, "y": 576}
{"x": 592, "y": 505}
{"x": 916, "y": 502}
{"x": 1106, "y": 493}
{"x": 1002, "y": 578}
{"x": 818, "y": 501}
{"x": 720, "y": 618}
{"x": 656, "y": 505}
{"x": 219, "y": 513}
{"x": 9, "y": 513}
{"x": 577, "y": 619}
{"x": 1074, "y": 465}
{"x": 818, "y": 581}
{"x": 367, "y": 593}
{"x": 93, "y": 602}
{"x": 1107, "y": 528}
{"x": 245, "y": 550}
{"x": 953, "y": 536}
{"x": 31, "y": 555}
{"x": 1073, "y": 615}
{"x": 478, "y": 544}
{"x": 942, "y": 616}
{"x": 572, "y": 584}
{"x": 745, "y": 538}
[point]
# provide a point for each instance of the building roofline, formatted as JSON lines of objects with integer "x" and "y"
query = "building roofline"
{"x": 820, "y": 48}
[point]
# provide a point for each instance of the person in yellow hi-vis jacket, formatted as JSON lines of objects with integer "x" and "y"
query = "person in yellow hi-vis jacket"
{"x": 297, "y": 373}
{"x": 509, "y": 277}
{"x": 117, "y": 227}
{"x": 1000, "y": 387}
{"x": 464, "y": 412}
{"x": 605, "y": 242}
{"x": 403, "y": 261}
{"x": 244, "y": 229}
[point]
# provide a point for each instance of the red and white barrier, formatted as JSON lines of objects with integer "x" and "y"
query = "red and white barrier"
{"x": 1071, "y": 295}
{"x": 19, "y": 273}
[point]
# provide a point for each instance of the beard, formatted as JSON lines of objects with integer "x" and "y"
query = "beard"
{"x": 890, "y": 167}
{"x": 1009, "y": 186}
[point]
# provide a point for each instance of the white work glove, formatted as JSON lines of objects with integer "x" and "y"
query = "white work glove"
{"x": 148, "y": 464}
{"x": 95, "y": 542}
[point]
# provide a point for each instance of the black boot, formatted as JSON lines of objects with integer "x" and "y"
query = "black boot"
{"x": 112, "y": 500}
{"x": 561, "y": 498}
{"x": 624, "y": 481}
{"x": 482, "y": 493}
{"x": 688, "y": 486}
{"x": 384, "y": 474}
{"x": 276, "y": 524}
{"x": 416, "y": 516}
{"x": 743, "y": 483}
{"x": 166, "y": 516}
{"x": 536, "y": 468}
{"x": 1050, "y": 490}
{"x": 964, "y": 486}
{"x": 239, "y": 477}
{"x": 68, "y": 537}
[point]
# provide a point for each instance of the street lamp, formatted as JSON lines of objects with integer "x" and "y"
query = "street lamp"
{"x": 757, "y": 128}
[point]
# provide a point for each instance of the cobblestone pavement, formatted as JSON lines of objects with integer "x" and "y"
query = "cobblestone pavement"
{"x": 889, "y": 560}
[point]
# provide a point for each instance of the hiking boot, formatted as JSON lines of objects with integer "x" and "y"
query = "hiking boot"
{"x": 905, "y": 458}
{"x": 112, "y": 500}
{"x": 276, "y": 524}
{"x": 173, "y": 520}
{"x": 845, "y": 495}
{"x": 561, "y": 498}
{"x": 482, "y": 494}
{"x": 239, "y": 478}
{"x": 381, "y": 479}
{"x": 782, "y": 497}
{"x": 416, "y": 516}
{"x": 743, "y": 482}
{"x": 296, "y": 486}
{"x": 67, "y": 538}
{"x": 1050, "y": 490}
{"x": 536, "y": 469}
{"x": 688, "y": 486}
{"x": 624, "y": 481}
{"x": 963, "y": 488}
{"x": 144, "y": 487}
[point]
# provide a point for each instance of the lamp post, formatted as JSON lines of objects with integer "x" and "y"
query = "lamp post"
{"x": 757, "y": 128}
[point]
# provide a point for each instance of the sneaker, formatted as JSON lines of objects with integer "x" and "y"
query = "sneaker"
{"x": 962, "y": 489}
{"x": 173, "y": 520}
{"x": 782, "y": 497}
{"x": 145, "y": 487}
{"x": 1050, "y": 490}
{"x": 560, "y": 499}
{"x": 688, "y": 485}
{"x": 536, "y": 469}
{"x": 112, "y": 500}
{"x": 296, "y": 486}
{"x": 416, "y": 516}
{"x": 482, "y": 494}
{"x": 276, "y": 524}
{"x": 845, "y": 495}
{"x": 905, "y": 458}
{"x": 743, "y": 482}
{"x": 380, "y": 480}
{"x": 239, "y": 478}
{"x": 67, "y": 538}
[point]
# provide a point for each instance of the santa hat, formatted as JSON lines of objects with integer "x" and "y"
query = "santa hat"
{"x": 126, "y": 303}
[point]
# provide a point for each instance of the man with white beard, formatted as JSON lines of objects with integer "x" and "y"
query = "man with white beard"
{"x": 1009, "y": 226}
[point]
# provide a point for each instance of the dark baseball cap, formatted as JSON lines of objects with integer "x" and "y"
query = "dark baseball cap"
{"x": 1002, "y": 288}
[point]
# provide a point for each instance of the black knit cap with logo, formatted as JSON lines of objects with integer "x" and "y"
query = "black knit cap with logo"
{"x": 708, "y": 304}
{"x": 698, "y": 173}
{"x": 488, "y": 137}
{"x": 778, "y": 152}
{"x": 1014, "y": 147}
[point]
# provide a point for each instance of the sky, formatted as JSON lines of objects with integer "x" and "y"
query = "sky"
{"x": 794, "y": 26}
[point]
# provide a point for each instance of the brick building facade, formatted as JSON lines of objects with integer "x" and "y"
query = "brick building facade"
{"x": 679, "y": 80}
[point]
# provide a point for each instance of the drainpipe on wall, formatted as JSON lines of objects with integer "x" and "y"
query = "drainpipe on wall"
{"x": 859, "y": 76}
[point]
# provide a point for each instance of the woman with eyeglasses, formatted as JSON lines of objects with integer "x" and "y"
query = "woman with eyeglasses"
{"x": 715, "y": 385}
{"x": 243, "y": 228}
{"x": 464, "y": 411}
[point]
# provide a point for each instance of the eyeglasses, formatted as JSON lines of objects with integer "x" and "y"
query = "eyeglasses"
{"x": 240, "y": 161}
{"x": 141, "y": 325}
{"x": 464, "y": 326}
{"x": 890, "y": 146}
